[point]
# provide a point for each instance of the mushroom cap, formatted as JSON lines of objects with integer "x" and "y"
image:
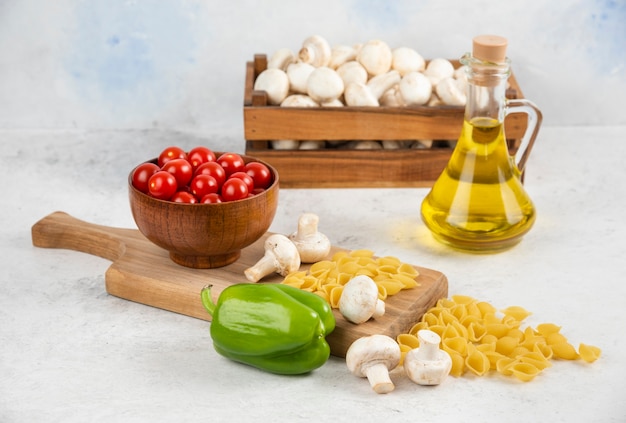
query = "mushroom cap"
{"x": 285, "y": 253}
{"x": 359, "y": 299}
{"x": 375, "y": 56}
{"x": 407, "y": 59}
{"x": 324, "y": 84}
{"x": 358, "y": 95}
{"x": 450, "y": 92}
{"x": 415, "y": 88}
{"x": 275, "y": 83}
{"x": 371, "y": 350}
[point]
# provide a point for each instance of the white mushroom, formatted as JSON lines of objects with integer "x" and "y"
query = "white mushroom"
{"x": 375, "y": 56}
{"x": 341, "y": 54}
{"x": 449, "y": 91}
{"x": 311, "y": 145}
{"x": 281, "y": 256}
{"x": 391, "y": 98}
{"x": 428, "y": 364}
{"x": 281, "y": 59}
{"x": 315, "y": 50}
{"x": 417, "y": 144}
{"x": 358, "y": 94}
{"x": 333, "y": 103}
{"x": 285, "y": 144}
{"x": 363, "y": 145}
{"x": 298, "y": 74}
{"x": 379, "y": 84}
{"x": 406, "y": 59}
{"x": 275, "y": 83}
{"x": 352, "y": 71}
{"x": 414, "y": 89}
{"x": 324, "y": 84}
{"x": 437, "y": 69}
{"x": 299, "y": 100}
{"x": 359, "y": 300}
{"x": 434, "y": 100}
{"x": 312, "y": 245}
{"x": 396, "y": 144}
{"x": 373, "y": 357}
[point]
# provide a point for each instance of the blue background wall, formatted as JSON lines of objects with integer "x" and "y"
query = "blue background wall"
{"x": 181, "y": 64}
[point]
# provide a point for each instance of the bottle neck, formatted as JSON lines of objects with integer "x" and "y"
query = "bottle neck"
{"x": 486, "y": 89}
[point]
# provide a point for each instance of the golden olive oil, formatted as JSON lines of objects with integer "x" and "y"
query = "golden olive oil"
{"x": 478, "y": 203}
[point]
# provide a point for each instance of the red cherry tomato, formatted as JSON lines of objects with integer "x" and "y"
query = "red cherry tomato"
{"x": 244, "y": 177}
{"x": 211, "y": 198}
{"x": 257, "y": 191}
{"x": 199, "y": 155}
{"x": 213, "y": 169}
{"x": 171, "y": 153}
{"x": 231, "y": 162}
{"x": 162, "y": 185}
{"x": 259, "y": 173}
{"x": 142, "y": 174}
{"x": 234, "y": 189}
{"x": 181, "y": 169}
{"x": 202, "y": 185}
{"x": 183, "y": 197}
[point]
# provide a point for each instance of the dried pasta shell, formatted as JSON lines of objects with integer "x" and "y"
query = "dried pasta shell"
{"x": 524, "y": 371}
{"x": 476, "y": 331}
{"x": 409, "y": 340}
{"x": 408, "y": 270}
{"x": 338, "y": 255}
{"x": 503, "y": 365}
{"x": 457, "y": 344}
{"x": 589, "y": 353}
{"x": 405, "y": 280}
{"x": 392, "y": 262}
{"x": 361, "y": 253}
{"x": 564, "y": 350}
{"x": 519, "y": 350}
{"x": 506, "y": 345}
{"x": 417, "y": 327}
{"x": 462, "y": 299}
{"x": 334, "y": 295}
{"x": 544, "y": 349}
{"x": 476, "y": 361}
{"x": 536, "y": 359}
{"x": 548, "y": 328}
{"x": 391, "y": 286}
{"x": 459, "y": 311}
{"x": 518, "y": 313}
{"x": 497, "y": 329}
{"x": 485, "y": 308}
{"x": 430, "y": 318}
{"x": 458, "y": 364}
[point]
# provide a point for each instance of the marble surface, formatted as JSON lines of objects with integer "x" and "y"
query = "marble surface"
{"x": 69, "y": 352}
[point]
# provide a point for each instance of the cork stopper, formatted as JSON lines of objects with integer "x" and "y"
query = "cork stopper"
{"x": 490, "y": 48}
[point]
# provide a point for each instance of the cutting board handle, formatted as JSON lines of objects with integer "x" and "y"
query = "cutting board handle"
{"x": 60, "y": 230}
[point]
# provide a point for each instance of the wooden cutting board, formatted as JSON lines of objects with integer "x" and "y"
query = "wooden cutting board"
{"x": 143, "y": 272}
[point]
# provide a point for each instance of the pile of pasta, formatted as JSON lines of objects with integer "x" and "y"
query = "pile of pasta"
{"x": 327, "y": 278}
{"x": 479, "y": 339}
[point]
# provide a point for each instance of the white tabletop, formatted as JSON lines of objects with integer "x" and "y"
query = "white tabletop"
{"x": 69, "y": 352}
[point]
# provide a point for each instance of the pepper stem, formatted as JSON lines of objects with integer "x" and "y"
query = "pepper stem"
{"x": 207, "y": 301}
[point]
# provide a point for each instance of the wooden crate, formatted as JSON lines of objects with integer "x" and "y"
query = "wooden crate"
{"x": 342, "y": 168}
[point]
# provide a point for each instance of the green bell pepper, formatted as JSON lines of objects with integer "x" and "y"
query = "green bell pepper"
{"x": 274, "y": 327}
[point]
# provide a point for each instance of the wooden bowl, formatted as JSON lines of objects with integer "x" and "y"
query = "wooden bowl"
{"x": 205, "y": 236}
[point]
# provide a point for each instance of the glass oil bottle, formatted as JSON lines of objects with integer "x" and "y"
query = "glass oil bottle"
{"x": 478, "y": 203}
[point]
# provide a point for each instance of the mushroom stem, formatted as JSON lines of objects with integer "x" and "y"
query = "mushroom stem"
{"x": 281, "y": 256}
{"x": 307, "y": 224}
{"x": 262, "y": 268}
{"x": 378, "y": 376}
